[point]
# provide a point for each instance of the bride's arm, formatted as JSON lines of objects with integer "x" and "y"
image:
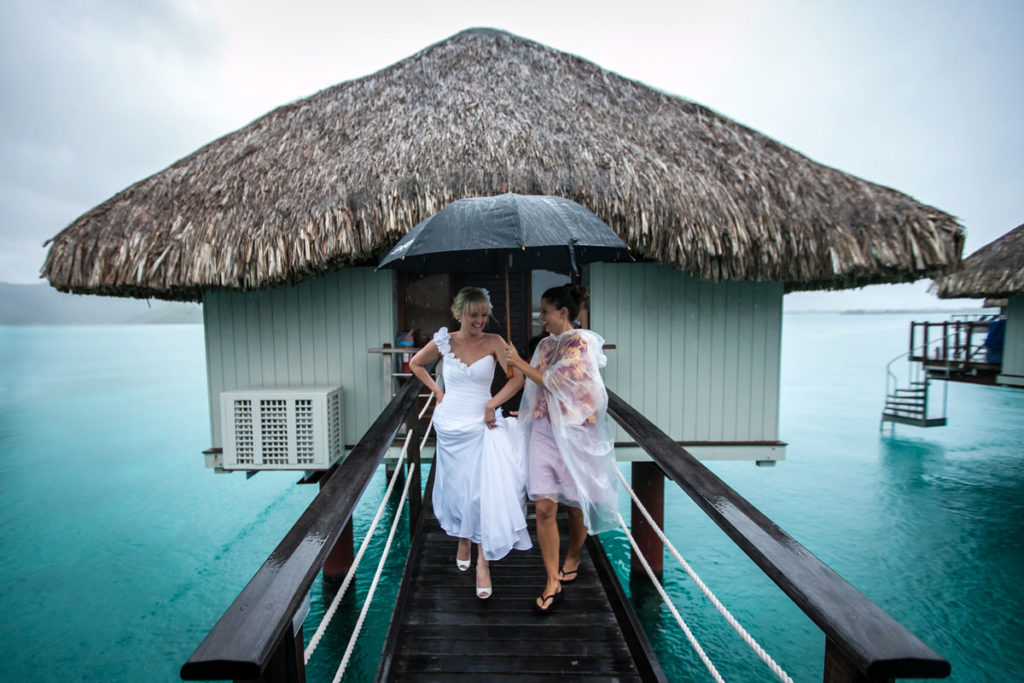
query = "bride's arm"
{"x": 418, "y": 365}
{"x": 512, "y": 386}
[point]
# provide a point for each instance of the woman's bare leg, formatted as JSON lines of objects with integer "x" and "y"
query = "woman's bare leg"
{"x": 548, "y": 540}
{"x": 577, "y": 537}
{"x": 464, "y": 553}
{"x": 483, "y": 573}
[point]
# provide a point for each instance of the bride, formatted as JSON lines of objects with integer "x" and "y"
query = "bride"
{"x": 479, "y": 484}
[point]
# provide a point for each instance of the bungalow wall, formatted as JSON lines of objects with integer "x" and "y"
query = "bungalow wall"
{"x": 315, "y": 333}
{"x": 1013, "y": 344}
{"x": 700, "y": 359}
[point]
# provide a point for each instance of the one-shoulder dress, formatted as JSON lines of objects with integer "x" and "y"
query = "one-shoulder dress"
{"x": 480, "y": 482}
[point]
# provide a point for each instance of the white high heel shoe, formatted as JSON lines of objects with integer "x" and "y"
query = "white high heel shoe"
{"x": 483, "y": 593}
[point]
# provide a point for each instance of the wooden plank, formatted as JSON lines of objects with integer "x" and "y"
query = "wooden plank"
{"x": 477, "y": 677}
{"x": 772, "y": 360}
{"x": 493, "y": 662}
{"x": 214, "y": 362}
{"x": 440, "y": 626}
{"x": 747, "y": 351}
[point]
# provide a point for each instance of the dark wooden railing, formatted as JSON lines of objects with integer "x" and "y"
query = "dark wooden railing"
{"x": 862, "y": 642}
{"x": 256, "y": 638}
{"x": 949, "y": 341}
{"x": 259, "y": 637}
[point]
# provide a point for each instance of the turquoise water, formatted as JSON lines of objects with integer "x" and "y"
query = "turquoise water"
{"x": 121, "y": 549}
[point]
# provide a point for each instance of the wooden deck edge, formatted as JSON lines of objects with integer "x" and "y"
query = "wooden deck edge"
{"x": 647, "y": 662}
{"x": 405, "y": 588}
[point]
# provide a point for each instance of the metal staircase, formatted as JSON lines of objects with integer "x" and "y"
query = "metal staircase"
{"x": 909, "y": 405}
{"x": 907, "y": 402}
{"x": 957, "y": 354}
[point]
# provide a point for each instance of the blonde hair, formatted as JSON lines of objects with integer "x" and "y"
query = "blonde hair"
{"x": 470, "y": 297}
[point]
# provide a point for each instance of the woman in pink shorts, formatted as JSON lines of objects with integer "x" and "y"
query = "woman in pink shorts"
{"x": 564, "y": 420}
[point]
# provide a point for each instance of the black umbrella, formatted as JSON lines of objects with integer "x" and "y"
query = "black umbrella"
{"x": 507, "y": 232}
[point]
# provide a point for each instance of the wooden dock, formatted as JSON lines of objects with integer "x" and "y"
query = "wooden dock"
{"x": 440, "y": 630}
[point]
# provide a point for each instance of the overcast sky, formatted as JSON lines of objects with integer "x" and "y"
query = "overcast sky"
{"x": 922, "y": 96}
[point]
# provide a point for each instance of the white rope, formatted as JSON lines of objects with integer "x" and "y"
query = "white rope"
{"x": 664, "y": 596}
{"x": 373, "y": 586}
{"x": 426, "y": 405}
{"x": 747, "y": 638}
{"x": 329, "y": 614}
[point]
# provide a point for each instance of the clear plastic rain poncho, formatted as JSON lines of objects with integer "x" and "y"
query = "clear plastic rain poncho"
{"x": 575, "y": 402}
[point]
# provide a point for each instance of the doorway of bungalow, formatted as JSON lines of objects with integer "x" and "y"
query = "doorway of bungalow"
{"x": 424, "y": 306}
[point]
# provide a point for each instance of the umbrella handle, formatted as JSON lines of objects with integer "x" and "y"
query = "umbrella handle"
{"x": 508, "y": 318}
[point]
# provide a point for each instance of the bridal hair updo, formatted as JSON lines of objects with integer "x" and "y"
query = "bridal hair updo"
{"x": 570, "y": 296}
{"x": 471, "y": 300}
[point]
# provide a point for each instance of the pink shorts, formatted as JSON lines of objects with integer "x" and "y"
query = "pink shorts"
{"x": 547, "y": 476}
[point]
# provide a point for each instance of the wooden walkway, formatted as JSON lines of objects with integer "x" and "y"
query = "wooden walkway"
{"x": 440, "y": 630}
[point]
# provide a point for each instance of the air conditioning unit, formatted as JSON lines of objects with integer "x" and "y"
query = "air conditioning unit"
{"x": 281, "y": 428}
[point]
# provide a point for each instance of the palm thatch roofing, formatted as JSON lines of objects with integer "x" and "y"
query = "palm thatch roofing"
{"x": 996, "y": 270}
{"x": 337, "y": 178}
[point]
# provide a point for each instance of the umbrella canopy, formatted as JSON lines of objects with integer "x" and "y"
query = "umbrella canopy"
{"x": 520, "y": 232}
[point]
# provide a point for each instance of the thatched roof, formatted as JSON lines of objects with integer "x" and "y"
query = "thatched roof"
{"x": 995, "y": 270}
{"x": 337, "y": 178}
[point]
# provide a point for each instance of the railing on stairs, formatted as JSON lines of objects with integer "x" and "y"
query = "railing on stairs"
{"x": 947, "y": 350}
{"x": 908, "y": 403}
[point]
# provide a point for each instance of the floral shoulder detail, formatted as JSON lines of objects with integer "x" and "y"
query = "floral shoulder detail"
{"x": 443, "y": 341}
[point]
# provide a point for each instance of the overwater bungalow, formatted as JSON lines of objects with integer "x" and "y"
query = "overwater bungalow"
{"x": 996, "y": 272}
{"x": 982, "y": 348}
{"x": 276, "y": 229}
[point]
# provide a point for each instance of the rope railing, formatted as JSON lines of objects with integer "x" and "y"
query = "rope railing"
{"x": 330, "y": 613}
{"x": 862, "y": 642}
{"x": 257, "y": 636}
{"x": 694, "y": 643}
{"x": 357, "y": 629}
{"x": 708, "y": 593}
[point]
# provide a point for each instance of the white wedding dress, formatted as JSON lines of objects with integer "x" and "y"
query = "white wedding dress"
{"x": 480, "y": 482}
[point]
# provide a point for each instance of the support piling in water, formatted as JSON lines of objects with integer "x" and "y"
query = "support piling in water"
{"x": 649, "y": 485}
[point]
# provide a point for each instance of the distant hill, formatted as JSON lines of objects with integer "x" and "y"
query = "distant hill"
{"x": 43, "y": 305}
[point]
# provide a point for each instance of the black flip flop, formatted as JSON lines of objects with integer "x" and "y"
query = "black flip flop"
{"x": 554, "y": 598}
{"x": 564, "y": 576}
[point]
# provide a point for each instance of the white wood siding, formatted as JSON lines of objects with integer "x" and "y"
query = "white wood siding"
{"x": 699, "y": 359}
{"x": 313, "y": 334}
{"x": 1013, "y": 345}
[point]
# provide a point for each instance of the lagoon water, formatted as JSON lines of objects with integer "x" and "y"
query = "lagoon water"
{"x": 120, "y": 549}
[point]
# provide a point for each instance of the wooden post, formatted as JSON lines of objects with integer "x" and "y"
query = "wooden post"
{"x": 340, "y": 559}
{"x": 838, "y": 668}
{"x": 390, "y": 465}
{"x": 649, "y": 484}
{"x": 288, "y": 664}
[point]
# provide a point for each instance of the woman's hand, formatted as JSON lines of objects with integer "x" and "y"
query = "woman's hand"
{"x": 489, "y": 419}
{"x": 512, "y": 355}
{"x": 439, "y": 396}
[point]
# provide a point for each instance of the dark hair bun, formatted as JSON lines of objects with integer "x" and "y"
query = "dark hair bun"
{"x": 580, "y": 293}
{"x": 569, "y": 296}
